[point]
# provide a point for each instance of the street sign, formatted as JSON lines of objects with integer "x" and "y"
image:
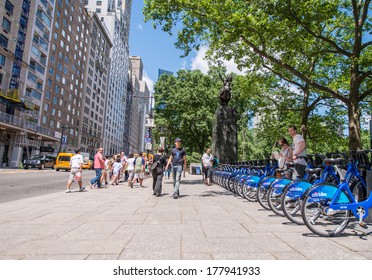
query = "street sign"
{"x": 148, "y": 146}
{"x": 64, "y": 139}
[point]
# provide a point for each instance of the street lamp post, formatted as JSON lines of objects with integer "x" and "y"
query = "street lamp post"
{"x": 149, "y": 124}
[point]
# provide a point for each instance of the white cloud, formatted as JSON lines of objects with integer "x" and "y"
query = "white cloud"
{"x": 139, "y": 27}
{"x": 184, "y": 64}
{"x": 149, "y": 82}
{"x": 199, "y": 62}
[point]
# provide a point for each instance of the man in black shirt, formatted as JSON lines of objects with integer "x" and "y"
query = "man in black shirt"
{"x": 178, "y": 160}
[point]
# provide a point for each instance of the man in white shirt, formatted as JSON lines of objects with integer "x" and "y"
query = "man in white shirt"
{"x": 76, "y": 163}
{"x": 207, "y": 160}
{"x": 298, "y": 151}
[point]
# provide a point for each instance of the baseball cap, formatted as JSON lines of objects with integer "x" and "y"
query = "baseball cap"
{"x": 177, "y": 140}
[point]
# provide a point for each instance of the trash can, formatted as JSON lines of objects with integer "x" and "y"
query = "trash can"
{"x": 369, "y": 190}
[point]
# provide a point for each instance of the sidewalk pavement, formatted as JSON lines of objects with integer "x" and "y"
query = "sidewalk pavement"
{"x": 206, "y": 222}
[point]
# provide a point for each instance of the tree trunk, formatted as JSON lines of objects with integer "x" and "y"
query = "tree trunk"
{"x": 355, "y": 142}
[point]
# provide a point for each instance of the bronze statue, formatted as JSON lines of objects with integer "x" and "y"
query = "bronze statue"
{"x": 225, "y": 92}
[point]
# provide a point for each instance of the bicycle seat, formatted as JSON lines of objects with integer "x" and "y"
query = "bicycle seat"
{"x": 313, "y": 170}
{"x": 333, "y": 160}
{"x": 290, "y": 164}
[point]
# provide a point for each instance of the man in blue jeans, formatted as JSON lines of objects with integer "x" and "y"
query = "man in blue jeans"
{"x": 99, "y": 164}
{"x": 178, "y": 160}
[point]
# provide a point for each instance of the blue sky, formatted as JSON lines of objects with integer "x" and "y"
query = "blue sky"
{"x": 155, "y": 47}
{"x": 157, "y": 50}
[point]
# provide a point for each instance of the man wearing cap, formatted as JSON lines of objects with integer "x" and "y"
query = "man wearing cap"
{"x": 178, "y": 160}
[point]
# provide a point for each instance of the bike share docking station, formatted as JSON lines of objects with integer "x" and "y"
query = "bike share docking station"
{"x": 369, "y": 190}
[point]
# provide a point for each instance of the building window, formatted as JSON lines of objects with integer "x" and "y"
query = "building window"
{"x": 2, "y": 60}
{"x": 99, "y": 3}
{"x": 6, "y": 25}
{"x": 1, "y": 78}
{"x": 9, "y": 7}
{"x": 98, "y": 11}
{"x": 3, "y": 41}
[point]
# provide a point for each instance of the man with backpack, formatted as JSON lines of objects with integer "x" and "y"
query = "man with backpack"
{"x": 139, "y": 169}
{"x": 178, "y": 160}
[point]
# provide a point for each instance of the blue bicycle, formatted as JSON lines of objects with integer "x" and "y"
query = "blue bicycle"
{"x": 293, "y": 192}
{"x": 327, "y": 209}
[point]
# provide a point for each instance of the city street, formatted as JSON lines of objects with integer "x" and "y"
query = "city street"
{"x": 18, "y": 184}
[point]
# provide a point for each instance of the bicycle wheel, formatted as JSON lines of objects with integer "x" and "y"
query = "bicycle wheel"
{"x": 262, "y": 196}
{"x": 316, "y": 214}
{"x": 252, "y": 195}
{"x": 240, "y": 188}
{"x": 250, "y": 192}
{"x": 358, "y": 190}
{"x": 274, "y": 200}
{"x": 291, "y": 200}
{"x": 230, "y": 182}
{"x": 261, "y": 193}
{"x": 274, "y": 195}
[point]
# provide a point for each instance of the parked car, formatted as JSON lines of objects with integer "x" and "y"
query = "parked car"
{"x": 63, "y": 161}
{"x": 39, "y": 161}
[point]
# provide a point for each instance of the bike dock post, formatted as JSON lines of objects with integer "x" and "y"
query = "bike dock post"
{"x": 369, "y": 190}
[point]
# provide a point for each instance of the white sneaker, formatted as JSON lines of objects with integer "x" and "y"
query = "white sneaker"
{"x": 68, "y": 191}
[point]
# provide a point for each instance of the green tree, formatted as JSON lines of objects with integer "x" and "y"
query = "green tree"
{"x": 282, "y": 36}
{"x": 184, "y": 107}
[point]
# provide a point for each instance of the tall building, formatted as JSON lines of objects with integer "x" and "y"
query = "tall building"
{"x": 24, "y": 48}
{"x": 96, "y": 85}
{"x": 63, "y": 101}
{"x": 115, "y": 14}
{"x": 140, "y": 106}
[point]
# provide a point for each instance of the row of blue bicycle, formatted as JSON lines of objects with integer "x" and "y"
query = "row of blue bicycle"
{"x": 332, "y": 193}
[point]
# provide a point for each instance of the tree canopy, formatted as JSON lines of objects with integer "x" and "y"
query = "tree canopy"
{"x": 323, "y": 47}
{"x": 184, "y": 108}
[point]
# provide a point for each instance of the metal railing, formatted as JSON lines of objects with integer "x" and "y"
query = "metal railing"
{"x": 17, "y": 121}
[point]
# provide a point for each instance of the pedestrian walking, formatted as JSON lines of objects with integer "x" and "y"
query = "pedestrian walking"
{"x": 76, "y": 165}
{"x": 178, "y": 160}
{"x": 116, "y": 167}
{"x": 157, "y": 170}
{"x": 99, "y": 164}
{"x": 123, "y": 171}
{"x": 167, "y": 171}
{"x": 299, "y": 151}
{"x": 139, "y": 169}
{"x": 106, "y": 170}
{"x": 207, "y": 160}
{"x": 130, "y": 169}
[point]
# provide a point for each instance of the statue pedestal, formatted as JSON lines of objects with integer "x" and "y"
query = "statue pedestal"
{"x": 225, "y": 136}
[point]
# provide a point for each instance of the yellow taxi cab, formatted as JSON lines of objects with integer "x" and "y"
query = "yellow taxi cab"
{"x": 63, "y": 161}
{"x": 87, "y": 164}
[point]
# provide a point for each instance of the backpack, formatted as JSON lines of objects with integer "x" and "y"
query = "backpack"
{"x": 154, "y": 165}
{"x": 138, "y": 165}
